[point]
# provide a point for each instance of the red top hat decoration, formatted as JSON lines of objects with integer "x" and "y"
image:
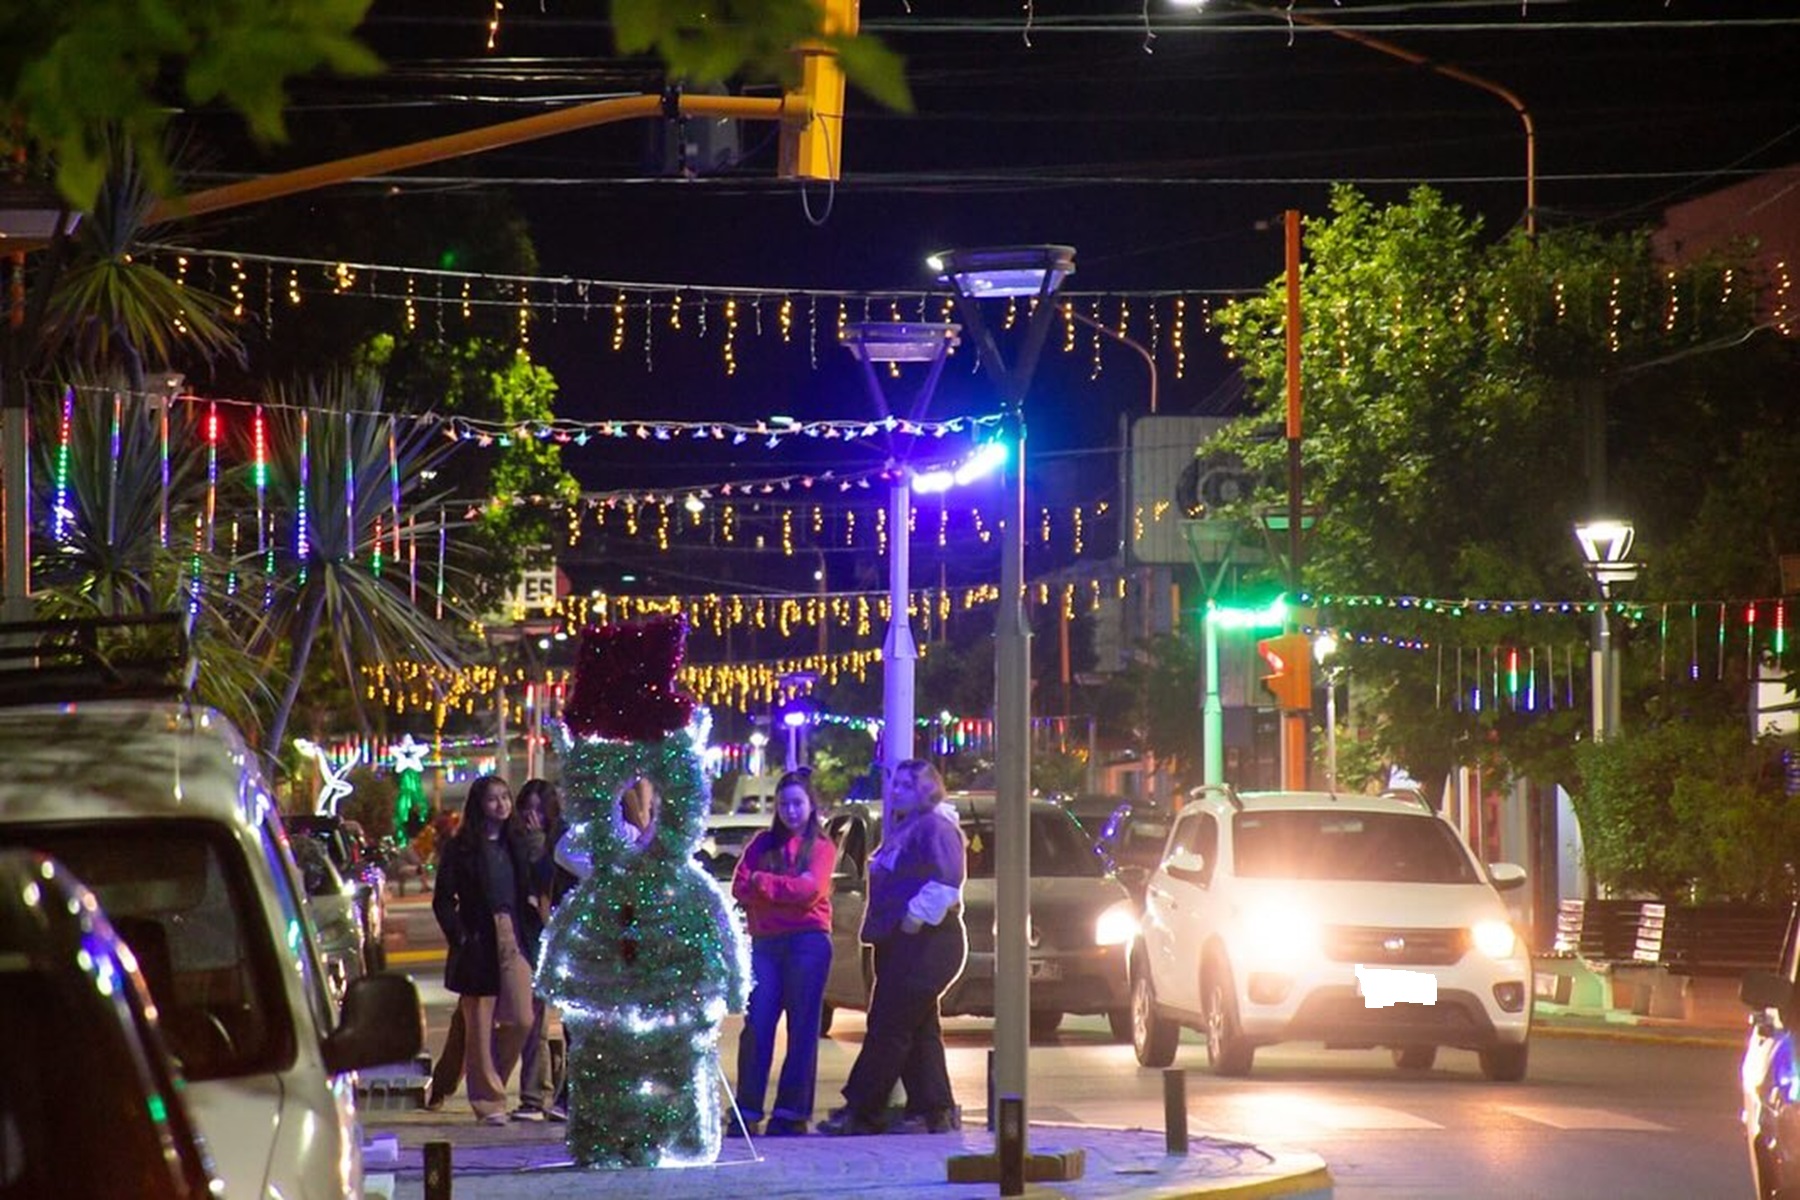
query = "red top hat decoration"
{"x": 625, "y": 681}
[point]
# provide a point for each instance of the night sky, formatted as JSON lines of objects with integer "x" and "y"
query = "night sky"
{"x": 1166, "y": 161}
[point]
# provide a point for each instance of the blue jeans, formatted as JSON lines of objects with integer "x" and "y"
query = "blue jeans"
{"x": 788, "y": 977}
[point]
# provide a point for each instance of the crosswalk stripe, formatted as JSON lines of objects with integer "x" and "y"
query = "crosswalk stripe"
{"x": 1290, "y": 1110}
{"x": 1561, "y": 1116}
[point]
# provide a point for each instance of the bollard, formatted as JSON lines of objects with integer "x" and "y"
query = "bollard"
{"x": 993, "y": 1109}
{"x": 1175, "y": 1123}
{"x": 1010, "y": 1146}
{"x": 437, "y": 1171}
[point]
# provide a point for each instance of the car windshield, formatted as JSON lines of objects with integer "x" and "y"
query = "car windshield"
{"x": 177, "y": 892}
{"x": 1059, "y": 849}
{"x": 1332, "y": 844}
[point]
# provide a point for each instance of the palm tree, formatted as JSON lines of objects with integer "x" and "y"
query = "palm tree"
{"x": 337, "y": 466}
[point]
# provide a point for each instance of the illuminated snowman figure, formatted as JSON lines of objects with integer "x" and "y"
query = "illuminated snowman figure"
{"x": 644, "y": 956}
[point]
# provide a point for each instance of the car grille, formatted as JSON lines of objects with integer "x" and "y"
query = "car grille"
{"x": 1383, "y": 945}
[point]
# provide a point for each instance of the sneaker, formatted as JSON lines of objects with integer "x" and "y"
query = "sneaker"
{"x": 555, "y": 1115}
{"x": 785, "y": 1127}
{"x": 526, "y": 1113}
{"x": 498, "y": 1118}
{"x": 842, "y": 1122}
{"x": 938, "y": 1121}
{"x": 737, "y": 1127}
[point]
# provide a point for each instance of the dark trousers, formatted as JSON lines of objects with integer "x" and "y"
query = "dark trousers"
{"x": 904, "y": 1042}
{"x": 788, "y": 979}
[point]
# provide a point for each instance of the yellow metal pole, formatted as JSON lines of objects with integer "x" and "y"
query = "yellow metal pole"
{"x": 789, "y": 108}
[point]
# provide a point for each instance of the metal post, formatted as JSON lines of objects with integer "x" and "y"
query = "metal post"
{"x": 1331, "y": 780}
{"x": 899, "y": 654}
{"x": 1175, "y": 1119}
{"x": 1012, "y": 778}
{"x": 15, "y": 469}
{"x": 1213, "y": 723}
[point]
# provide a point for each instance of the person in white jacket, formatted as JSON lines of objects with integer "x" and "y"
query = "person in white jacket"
{"x": 914, "y": 922}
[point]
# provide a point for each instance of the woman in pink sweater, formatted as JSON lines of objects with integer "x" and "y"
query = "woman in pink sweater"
{"x": 783, "y": 883}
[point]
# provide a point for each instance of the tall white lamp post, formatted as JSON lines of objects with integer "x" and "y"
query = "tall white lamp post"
{"x": 977, "y": 275}
{"x": 895, "y": 342}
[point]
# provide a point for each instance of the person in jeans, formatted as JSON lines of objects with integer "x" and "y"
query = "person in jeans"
{"x": 914, "y": 922}
{"x": 483, "y": 904}
{"x": 783, "y": 883}
{"x": 537, "y": 826}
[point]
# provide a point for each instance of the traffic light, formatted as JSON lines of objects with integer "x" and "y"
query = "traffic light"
{"x": 1289, "y": 659}
{"x": 815, "y": 149}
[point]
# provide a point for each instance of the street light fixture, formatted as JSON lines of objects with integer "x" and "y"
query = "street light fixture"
{"x": 976, "y": 275}
{"x": 899, "y": 342}
{"x": 1606, "y": 549}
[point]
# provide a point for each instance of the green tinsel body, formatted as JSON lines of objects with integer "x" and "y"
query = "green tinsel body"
{"x": 645, "y": 958}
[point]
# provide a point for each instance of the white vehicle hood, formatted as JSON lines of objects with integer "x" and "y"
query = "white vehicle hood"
{"x": 1396, "y": 905}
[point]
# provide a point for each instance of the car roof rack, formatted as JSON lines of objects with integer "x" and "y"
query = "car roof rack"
{"x": 146, "y": 656}
{"x": 1220, "y": 789}
{"x": 1410, "y": 796}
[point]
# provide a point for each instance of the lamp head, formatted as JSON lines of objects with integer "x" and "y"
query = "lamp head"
{"x": 1004, "y": 270}
{"x": 899, "y": 341}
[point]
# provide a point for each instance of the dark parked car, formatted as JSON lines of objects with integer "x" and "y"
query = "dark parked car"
{"x": 90, "y": 1100}
{"x": 1081, "y": 919}
{"x": 358, "y": 863}
{"x": 1771, "y": 1076}
{"x": 1128, "y": 833}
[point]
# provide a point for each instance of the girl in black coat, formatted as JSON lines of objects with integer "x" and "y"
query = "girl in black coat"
{"x": 483, "y": 904}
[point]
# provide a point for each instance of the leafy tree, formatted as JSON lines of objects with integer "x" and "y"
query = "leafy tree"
{"x": 70, "y": 74}
{"x": 1448, "y": 385}
{"x": 1690, "y": 808}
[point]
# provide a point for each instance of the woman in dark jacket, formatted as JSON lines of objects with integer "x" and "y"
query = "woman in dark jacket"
{"x": 483, "y": 904}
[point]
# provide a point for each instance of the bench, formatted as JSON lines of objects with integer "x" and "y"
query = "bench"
{"x": 1599, "y": 932}
{"x": 1711, "y": 939}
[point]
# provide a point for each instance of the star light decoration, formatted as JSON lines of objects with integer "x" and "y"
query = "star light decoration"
{"x": 408, "y": 755}
{"x": 335, "y": 785}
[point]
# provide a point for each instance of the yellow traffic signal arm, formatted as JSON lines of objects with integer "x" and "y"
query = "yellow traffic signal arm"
{"x": 792, "y": 109}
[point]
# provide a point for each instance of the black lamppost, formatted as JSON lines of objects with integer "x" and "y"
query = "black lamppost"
{"x": 976, "y": 275}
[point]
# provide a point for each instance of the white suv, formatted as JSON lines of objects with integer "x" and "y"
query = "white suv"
{"x": 161, "y": 810}
{"x": 1357, "y": 921}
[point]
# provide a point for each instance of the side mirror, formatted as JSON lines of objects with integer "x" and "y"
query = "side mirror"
{"x": 1187, "y": 865}
{"x": 383, "y": 1022}
{"x": 1769, "y": 989}
{"x": 1506, "y": 876}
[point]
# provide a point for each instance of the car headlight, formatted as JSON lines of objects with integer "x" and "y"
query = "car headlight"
{"x": 1279, "y": 932}
{"x": 1495, "y": 939}
{"x": 1117, "y": 926}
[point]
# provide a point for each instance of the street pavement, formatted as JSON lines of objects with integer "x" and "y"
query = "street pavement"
{"x": 530, "y": 1160}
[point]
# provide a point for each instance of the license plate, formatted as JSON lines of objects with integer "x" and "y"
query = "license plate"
{"x": 1383, "y": 987}
{"x": 1045, "y": 969}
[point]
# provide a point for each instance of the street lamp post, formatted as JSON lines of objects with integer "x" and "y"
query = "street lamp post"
{"x": 1606, "y": 549}
{"x": 976, "y": 275}
{"x": 899, "y": 342}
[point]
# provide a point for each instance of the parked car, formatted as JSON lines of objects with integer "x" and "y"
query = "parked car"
{"x": 1357, "y": 921}
{"x": 162, "y": 810}
{"x": 1771, "y": 1076}
{"x": 360, "y": 863}
{"x": 1128, "y": 833}
{"x": 727, "y": 835}
{"x": 335, "y": 912}
{"x": 1080, "y": 919}
{"x": 91, "y": 1103}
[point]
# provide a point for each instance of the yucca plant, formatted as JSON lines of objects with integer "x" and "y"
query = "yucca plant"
{"x": 337, "y": 462}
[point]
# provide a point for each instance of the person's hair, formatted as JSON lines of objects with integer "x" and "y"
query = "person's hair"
{"x": 474, "y": 818}
{"x": 930, "y": 783}
{"x": 548, "y": 793}
{"x": 779, "y": 832}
